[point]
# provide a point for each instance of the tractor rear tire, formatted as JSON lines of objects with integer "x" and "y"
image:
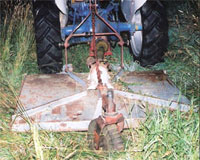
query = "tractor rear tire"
{"x": 112, "y": 140}
{"x": 47, "y": 35}
{"x": 155, "y": 33}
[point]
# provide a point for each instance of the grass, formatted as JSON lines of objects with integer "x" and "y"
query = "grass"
{"x": 165, "y": 135}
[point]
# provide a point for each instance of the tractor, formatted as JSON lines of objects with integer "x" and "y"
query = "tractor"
{"x": 142, "y": 24}
{"x": 61, "y": 100}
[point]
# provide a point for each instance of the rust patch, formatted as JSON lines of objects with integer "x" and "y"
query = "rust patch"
{"x": 56, "y": 110}
{"x": 153, "y": 76}
{"x": 71, "y": 84}
{"x": 22, "y": 97}
{"x": 46, "y": 79}
{"x": 41, "y": 89}
{"x": 63, "y": 125}
{"x": 37, "y": 117}
{"x": 73, "y": 109}
{"x": 22, "y": 121}
{"x": 36, "y": 81}
{"x": 31, "y": 101}
{"x": 52, "y": 121}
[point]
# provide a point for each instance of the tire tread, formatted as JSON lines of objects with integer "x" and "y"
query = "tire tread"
{"x": 155, "y": 33}
{"x": 47, "y": 34}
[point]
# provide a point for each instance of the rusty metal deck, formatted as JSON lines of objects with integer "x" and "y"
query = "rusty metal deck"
{"x": 58, "y": 103}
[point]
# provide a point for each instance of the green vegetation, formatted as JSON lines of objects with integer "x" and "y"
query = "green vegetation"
{"x": 165, "y": 135}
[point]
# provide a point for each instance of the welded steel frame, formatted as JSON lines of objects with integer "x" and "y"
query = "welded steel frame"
{"x": 113, "y": 33}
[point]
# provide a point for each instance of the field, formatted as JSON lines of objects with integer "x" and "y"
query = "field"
{"x": 167, "y": 135}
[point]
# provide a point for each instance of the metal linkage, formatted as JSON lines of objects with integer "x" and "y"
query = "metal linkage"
{"x": 110, "y": 115}
{"x": 95, "y": 14}
{"x": 93, "y": 9}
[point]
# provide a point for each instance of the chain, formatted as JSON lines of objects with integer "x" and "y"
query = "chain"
{"x": 93, "y": 8}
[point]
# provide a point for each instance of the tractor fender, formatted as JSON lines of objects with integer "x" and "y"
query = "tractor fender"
{"x": 130, "y": 7}
{"x": 62, "y": 6}
{"x": 131, "y": 11}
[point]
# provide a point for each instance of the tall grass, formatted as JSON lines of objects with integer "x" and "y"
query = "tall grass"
{"x": 171, "y": 136}
{"x": 165, "y": 135}
{"x": 17, "y": 41}
{"x": 16, "y": 50}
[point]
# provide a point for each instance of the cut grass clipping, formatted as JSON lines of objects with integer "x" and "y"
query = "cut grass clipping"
{"x": 164, "y": 135}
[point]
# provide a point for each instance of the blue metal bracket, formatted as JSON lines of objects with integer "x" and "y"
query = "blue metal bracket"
{"x": 80, "y": 12}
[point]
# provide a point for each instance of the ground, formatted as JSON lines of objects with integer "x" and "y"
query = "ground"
{"x": 168, "y": 135}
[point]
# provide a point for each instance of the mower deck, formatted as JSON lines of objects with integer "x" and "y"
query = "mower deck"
{"x": 57, "y": 102}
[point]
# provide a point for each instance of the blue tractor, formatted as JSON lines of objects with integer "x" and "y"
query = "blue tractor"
{"x": 142, "y": 24}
